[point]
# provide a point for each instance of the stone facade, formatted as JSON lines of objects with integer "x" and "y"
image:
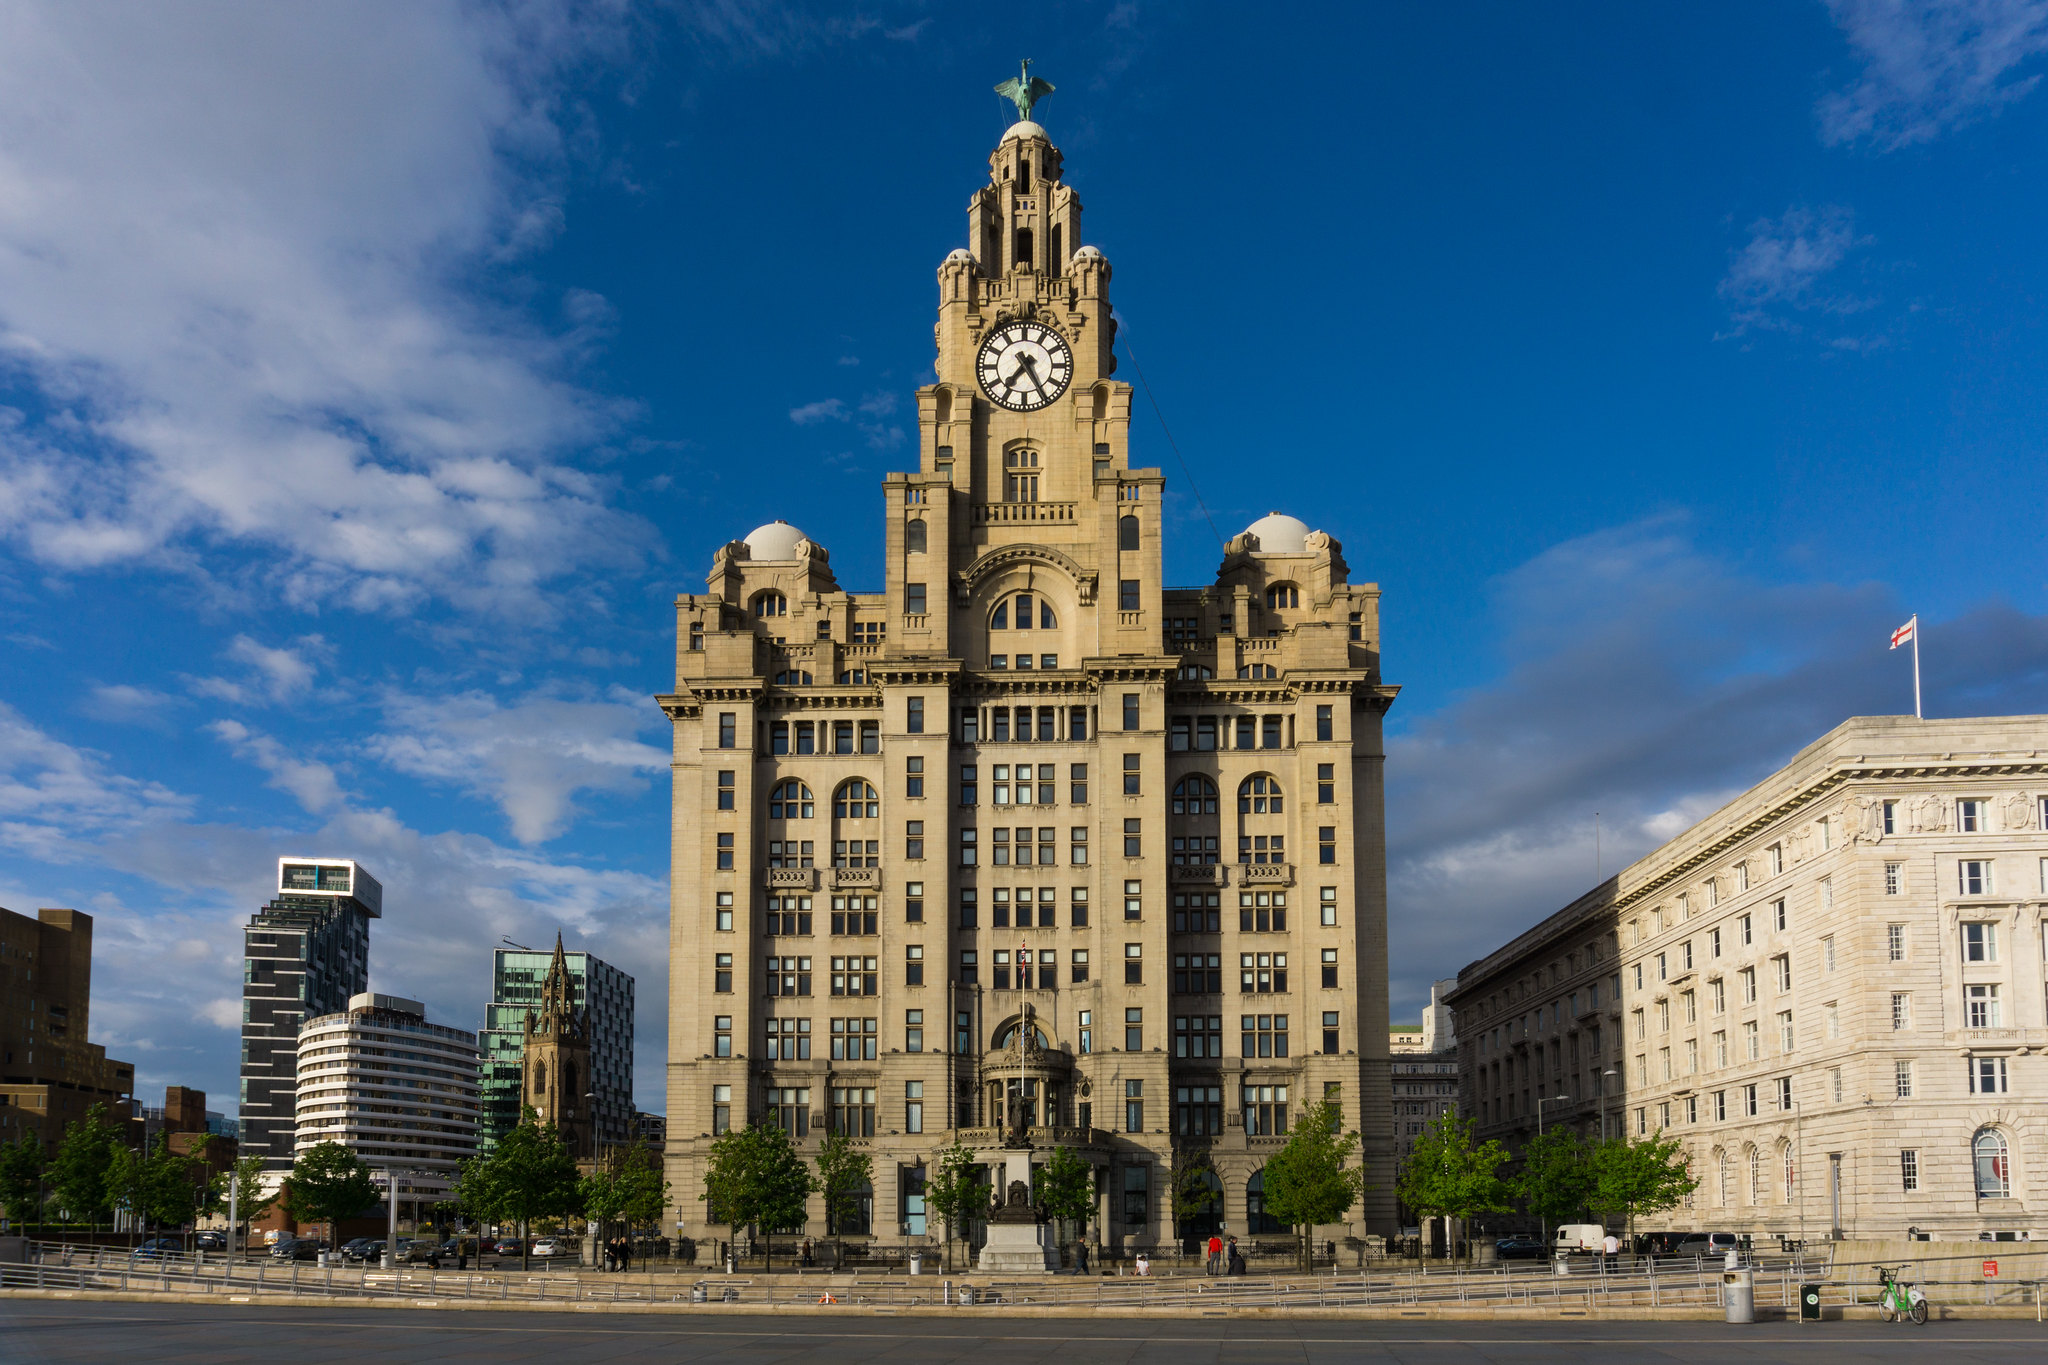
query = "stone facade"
{"x": 1028, "y": 773}
{"x": 1831, "y": 989}
{"x": 556, "y": 1076}
{"x": 50, "y": 1073}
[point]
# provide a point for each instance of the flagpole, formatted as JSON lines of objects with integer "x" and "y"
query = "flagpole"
{"x": 1916, "y": 667}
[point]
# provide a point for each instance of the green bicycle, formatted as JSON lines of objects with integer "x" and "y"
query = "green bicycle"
{"x": 1898, "y": 1301}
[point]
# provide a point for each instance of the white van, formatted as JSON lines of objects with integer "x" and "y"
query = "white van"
{"x": 1573, "y": 1239}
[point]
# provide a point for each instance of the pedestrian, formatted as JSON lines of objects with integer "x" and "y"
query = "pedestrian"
{"x": 1609, "y": 1250}
{"x": 1144, "y": 1265}
{"x": 807, "y": 1251}
{"x": 625, "y": 1254}
{"x": 1215, "y": 1253}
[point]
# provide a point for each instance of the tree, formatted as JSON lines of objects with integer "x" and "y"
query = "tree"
{"x": 954, "y": 1193}
{"x": 78, "y": 1173}
{"x": 756, "y": 1176}
{"x": 1631, "y": 1177}
{"x": 530, "y": 1175}
{"x": 22, "y": 1166}
{"x": 329, "y": 1183}
{"x": 844, "y": 1172}
{"x": 1066, "y": 1188}
{"x": 1556, "y": 1179}
{"x": 1307, "y": 1182}
{"x": 627, "y": 1188}
{"x": 1449, "y": 1177}
{"x": 249, "y": 1200}
{"x": 1192, "y": 1185}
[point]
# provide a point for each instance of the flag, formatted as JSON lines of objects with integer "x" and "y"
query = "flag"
{"x": 1904, "y": 634}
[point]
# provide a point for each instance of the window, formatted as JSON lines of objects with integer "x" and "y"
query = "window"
{"x": 1980, "y": 942}
{"x": 1077, "y": 912}
{"x": 791, "y": 800}
{"x": 967, "y": 848}
{"x": 789, "y": 1040}
{"x": 1329, "y": 969}
{"x": 721, "y": 1036}
{"x": 1743, "y": 928}
{"x": 723, "y": 918}
{"x": 1784, "y": 1092}
{"x": 1265, "y": 1111}
{"x": 1752, "y": 1041}
{"x": 1749, "y": 1101}
{"x": 725, "y": 853}
{"x": 725, "y": 789}
{"x": 1970, "y": 817}
{"x": 728, "y": 730}
{"x": 1902, "y": 1010}
{"x": 913, "y": 1030}
{"x": 1262, "y": 973}
{"x": 1895, "y": 942}
{"x": 1329, "y": 905}
{"x": 789, "y": 976}
{"x": 790, "y": 1110}
{"x": 1720, "y": 1041}
{"x": 1713, "y": 943}
{"x": 1834, "y": 1018}
{"x": 1980, "y": 1006}
{"x": 854, "y": 975}
{"x": 913, "y": 1103}
{"x": 1718, "y": 992}
{"x": 1909, "y": 1169}
{"x": 1326, "y": 844}
{"x": 1194, "y": 795}
{"x": 1263, "y": 1035}
{"x": 1782, "y": 967}
{"x": 721, "y": 973}
{"x": 1987, "y": 1075}
{"x": 913, "y": 717}
{"x": 1134, "y": 1031}
{"x": 1784, "y": 1030}
{"x": 1133, "y": 843}
{"x": 1198, "y": 1035}
{"x": 1894, "y": 878}
{"x": 1134, "y": 964}
{"x": 969, "y": 960}
{"x": 1325, "y": 725}
{"x": 1902, "y": 1080}
{"x": 1021, "y": 612}
{"x": 1130, "y": 710}
{"x": 1262, "y": 912}
{"x": 697, "y": 635}
{"x": 1973, "y": 878}
{"x": 913, "y": 964}
{"x": 853, "y": 1040}
{"x": 1131, "y": 774}
{"x": 1330, "y": 1033}
{"x": 1992, "y": 1163}
{"x": 1778, "y": 914}
{"x": 1127, "y": 595}
{"x": 721, "y": 1109}
{"x": 1746, "y": 978}
{"x": 856, "y": 853}
{"x": 1282, "y": 595}
{"x": 913, "y": 599}
{"x": 1020, "y": 467}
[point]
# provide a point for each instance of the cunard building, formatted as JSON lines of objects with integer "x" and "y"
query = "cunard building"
{"x": 1028, "y": 786}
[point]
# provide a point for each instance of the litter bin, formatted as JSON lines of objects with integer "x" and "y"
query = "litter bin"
{"x": 1738, "y": 1295}
{"x": 916, "y": 1263}
{"x": 1809, "y": 1303}
{"x": 967, "y": 1296}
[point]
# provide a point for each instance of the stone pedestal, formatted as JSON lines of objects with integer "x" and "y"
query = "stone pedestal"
{"x": 1018, "y": 1242}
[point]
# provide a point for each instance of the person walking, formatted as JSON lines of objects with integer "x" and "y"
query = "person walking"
{"x": 1215, "y": 1253}
{"x": 625, "y": 1254}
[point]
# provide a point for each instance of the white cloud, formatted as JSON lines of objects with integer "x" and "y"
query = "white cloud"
{"x": 127, "y": 704}
{"x": 54, "y": 796}
{"x": 1776, "y": 275}
{"x": 278, "y": 673}
{"x": 310, "y": 782}
{"x": 529, "y": 758}
{"x": 824, "y": 410}
{"x": 1930, "y": 66}
{"x": 237, "y": 259}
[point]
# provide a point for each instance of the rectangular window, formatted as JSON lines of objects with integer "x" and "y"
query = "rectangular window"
{"x": 1326, "y": 844}
{"x": 913, "y": 840}
{"x": 1749, "y": 1101}
{"x": 1329, "y": 969}
{"x": 1980, "y": 942}
{"x": 853, "y": 1040}
{"x": 1130, "y": 710}
{"x": 1713, "y": 943}
{"x": 723, "y": 910}
{"x": 1134, "y": 1030}
{"x": 1127, "y": 594}
{"x": 728, "y": 730}
{"x": 913, "y": 716}
{"x": 1894, "y": 878}
{"x": 871, "y": 736}
{"x": 1326, "y": 783}
{"x": 1752, "y": 1041}
{"x": 1743, "y": 931}
{"x": 913, "y": 1105}
{"x": 725, "y": 789}
{"x": 1269, "y": 732}
{"x": 1980, "y": 1006}
{"x": 1265, "y": 1110}
{"x": 1909, "y": 1163}
{"x": 1134, "y": 964}
{"x": 1325, "y": 726}
{"x": 969, "y": 969}
{"x": 721, "y": 973}
{"x": 1784, "y": 1093}
{"x": 1077, "y": 907}
{"x": 967, "y": 847}
{"x": 1077, "y": 726}
{"x": 1329, "y": 905}
{"x": 1330, "y": 1033}
{"x": 1782, "y": 966}
{"x": 721, "y": 1033}
{"x": 1717, "y": 1106}
{"x": 1784, "y": 1030}
{"x": 970, "y": 725}
{"x": 1902, "y": 1010}
{"x": 1895, "y": 942}
{"x": 1970, "y": 817}
{"x": 1987, "y": 1075}
{"x": 1131, "y": 786}
{"x": 1902, "y": 1080}
{"x": 1079, "y": 964}
{"x": 1778, "y": 914}
{"x": 1077, "y": 784}
{"x": 1133, "y": 844}
{"x": 1973, "y": 877}
{"x": 913, "y": 598}
{"x": 721, "y": 1109}
{"x": 789, "y": 1040}
{"x": 1827, "y": 953}
{"x": 1746, "y": 978}
{"x": 725, "y": 851}
{"x": 913, "y": 964}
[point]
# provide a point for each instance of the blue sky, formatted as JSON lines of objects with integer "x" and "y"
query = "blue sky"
{"x": 369, "y": 384}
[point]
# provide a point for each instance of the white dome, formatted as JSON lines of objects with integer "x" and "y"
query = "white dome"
{"x": 958, "y": 253}
{"x": 1025, "y": 128}
{"x": 1279, "y": 534}
{"x": 1087, "y": 253}
{"x": 776, "y": 540}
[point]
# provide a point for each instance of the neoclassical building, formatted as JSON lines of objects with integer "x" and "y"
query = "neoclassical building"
{"x": 1027, "y": 826}
{"x": 1831, "y": 990}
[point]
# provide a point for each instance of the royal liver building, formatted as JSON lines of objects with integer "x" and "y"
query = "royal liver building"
{"x": 1027, "y": 785}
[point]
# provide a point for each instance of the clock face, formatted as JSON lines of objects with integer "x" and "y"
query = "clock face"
{"x": 1024, "y": 366}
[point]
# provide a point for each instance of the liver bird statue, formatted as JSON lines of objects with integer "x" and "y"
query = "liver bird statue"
{"x": 1024, "y": 90}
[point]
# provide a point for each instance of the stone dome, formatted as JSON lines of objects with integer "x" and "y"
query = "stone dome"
{"x": 1025, "y": 128}
{"x": 776, "y": 540}
{"x": 959, "y": 254}
{"x": 1278, "y": 533}
{"x": 1087, "y": 253}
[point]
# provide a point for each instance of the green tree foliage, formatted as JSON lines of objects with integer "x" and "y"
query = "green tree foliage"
{"x": 845, "y": 1172}
{"x": 162, "y": 1188}
{"x": 627, "y": 1188}
{"x": 1192, "y": 1185}
{"x": 1640, "y": 1177}
{"x": 1449, "y": 1176}
{"x": 250, "y": 1201}
{"x": 1065, "y": 1187}
{"x": 329, "y": 1183}
{"x": 954, "y": 1192}
{"x": 1307, "y": 1182}
{"x": 78, "y": 1173}
{"x": 22, "y": 1164}
{"x": 530, "y": 1175}
{"x": 756, "y": 1176}
{"x": 1556, "y": 1179}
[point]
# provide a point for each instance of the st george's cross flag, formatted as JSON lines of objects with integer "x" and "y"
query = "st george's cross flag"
{"x": 1904, "y": 634}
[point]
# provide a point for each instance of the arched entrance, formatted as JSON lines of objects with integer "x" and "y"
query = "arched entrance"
{"x": 1208, "y": 1222}
{"x": 1257, "y": 1222}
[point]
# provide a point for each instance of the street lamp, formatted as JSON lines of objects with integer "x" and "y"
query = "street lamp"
{"x": 1603, "y": 1103}
{"x": 1543, "y": 1219}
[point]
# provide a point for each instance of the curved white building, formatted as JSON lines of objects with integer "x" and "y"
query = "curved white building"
{"x": 399, "y": 1092}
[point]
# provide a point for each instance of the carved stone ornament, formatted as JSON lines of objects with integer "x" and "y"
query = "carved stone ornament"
{"x": 2018, "y": 812}
{"x": 1016, "y": 1206}
{"x": 1928, "y": 815}
{"x": 1861, "y": 817}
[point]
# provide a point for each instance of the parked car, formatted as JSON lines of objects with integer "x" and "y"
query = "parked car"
{"x": 420, "y": 1251}
{"x": 156, "y": 1247}
{"x": 1709, "y": 1244}
{"x": 507, "y": 1246}
{"x": 1518, "y": 1249}
{"x": 211, "y": 1241}
{"x": 298, "y": 1249}
{"x": 352, "y": 1249}
{"x": 460, "y": 1246}
{"x": 550, "y": 1246}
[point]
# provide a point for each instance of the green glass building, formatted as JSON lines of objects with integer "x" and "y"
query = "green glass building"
{"x": 604, "y": 992}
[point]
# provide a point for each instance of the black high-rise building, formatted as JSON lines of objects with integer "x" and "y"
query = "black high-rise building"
{"x": 304, "y": 955}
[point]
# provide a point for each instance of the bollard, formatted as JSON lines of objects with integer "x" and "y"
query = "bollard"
{"x": 1738, "y": 1295}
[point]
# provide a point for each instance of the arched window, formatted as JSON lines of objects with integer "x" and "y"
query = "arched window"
{"x": 854, "y": 677}
{"x": 1791, "y": 1172}
{"x": 1282, "y": 595}
{"x": 1020, "y": 476}
{"x": 855, "y": 800}
{"x": 1258, "y": 796}
{"x": 1021, "y": 611}
{"x": 1099, "y": 409}
{"x": 945, "y": 406}
{"x": 1727, "y": 1189}
{"x": 1258, "y": 671}
{"x": 913, "y": 536}
{"x": 540, "y": 1078}
{"x": 1993, "y": 1163}
{"x": 1196, "y": 673}
{"x": 1194, "y": 795}
{"x": 1006, "y": 1036}
{"x": 771, "y": 604}
{"x": 790, "y": 800}
{"x": 1756, "y": 1177}
{"x": 793, "y": 677}
{"x": 1127, "y": 533}
{"x": 1257, "y": 1220}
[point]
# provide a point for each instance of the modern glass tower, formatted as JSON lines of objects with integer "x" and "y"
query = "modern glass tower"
{"x": 601, "y": 989}
{"x": 304, "y": 955}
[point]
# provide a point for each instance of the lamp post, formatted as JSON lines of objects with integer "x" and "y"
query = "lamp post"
{"x": 1543, "y": 1219}
{"x": 1603, "y": 1103}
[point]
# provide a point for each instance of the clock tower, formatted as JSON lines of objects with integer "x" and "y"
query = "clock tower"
{"x": 1028, "y": 849}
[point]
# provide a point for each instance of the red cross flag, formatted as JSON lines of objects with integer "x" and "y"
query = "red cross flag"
{"x": 1904, "y": 634}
